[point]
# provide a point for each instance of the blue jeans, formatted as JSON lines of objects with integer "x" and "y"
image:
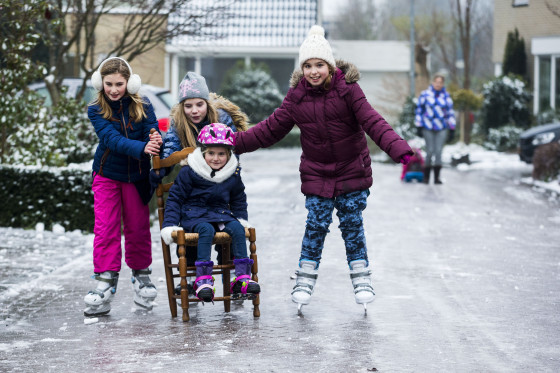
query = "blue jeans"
{"x": 349, "y": 208}
{"x": 206, "y": 233}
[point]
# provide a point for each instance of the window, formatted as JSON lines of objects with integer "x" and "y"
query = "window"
{"x": 544, "y": 83}
{"x": 557, "y": 98}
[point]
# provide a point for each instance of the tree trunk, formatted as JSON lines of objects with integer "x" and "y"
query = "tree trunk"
{"x": 53, "y": 91}
{"x": 462, "y": 126}
{"x": 421, "y": 66}
{"x": 468, "y": 127}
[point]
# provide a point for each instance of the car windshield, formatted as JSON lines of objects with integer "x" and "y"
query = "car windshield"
{"x": 89, "y": 95}
{"x": 166, "y": 98}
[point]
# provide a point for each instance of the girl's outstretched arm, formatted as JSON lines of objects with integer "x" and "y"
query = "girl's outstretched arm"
{"x": 377, "y": 127}
{"x": 266, "y": 133}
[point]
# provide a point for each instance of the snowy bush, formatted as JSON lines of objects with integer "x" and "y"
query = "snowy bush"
{"x": 548, "y": 116}
{"x": 503, "y": 139}
{"x": 49, "y": 196}
{"x": 59, "y": 136}
{"x": 253, "y": 90}
{"x": 506, "y": 102}
{"x": 546, "y": 162}
{"x": 30, "y": 133}
{"x": 19, "y": 108}
{"x": 405, "y": 126}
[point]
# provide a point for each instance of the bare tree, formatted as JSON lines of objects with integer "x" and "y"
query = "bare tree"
{"x": 428, "y": 28}
{"x": 438, "y": 31}
{"x": 462, "y": 14}
{"x": 356, "y": 21}
{"x": 71, "y": 26}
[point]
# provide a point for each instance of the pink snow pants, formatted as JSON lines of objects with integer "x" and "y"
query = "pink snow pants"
{"x": 113, "y": 201}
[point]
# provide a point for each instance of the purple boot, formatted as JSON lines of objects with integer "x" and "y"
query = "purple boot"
{"x": 204, "y": 282}
{"x": 242, "y": 283}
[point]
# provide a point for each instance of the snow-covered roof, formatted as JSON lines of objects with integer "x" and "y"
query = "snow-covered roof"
{"x": 254, "y": 23}
{"x": 374, "y": 55}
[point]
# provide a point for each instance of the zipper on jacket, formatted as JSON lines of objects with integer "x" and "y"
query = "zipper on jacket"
{"x": 123, "y": 125}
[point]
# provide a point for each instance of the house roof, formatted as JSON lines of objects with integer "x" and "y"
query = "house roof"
{"x": 252, "y": 23}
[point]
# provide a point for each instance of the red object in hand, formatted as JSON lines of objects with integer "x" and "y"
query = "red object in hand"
{"x": 163, "y": 124}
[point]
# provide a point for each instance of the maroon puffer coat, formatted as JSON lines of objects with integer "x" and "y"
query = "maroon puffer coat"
{"x": 333, "y": 123}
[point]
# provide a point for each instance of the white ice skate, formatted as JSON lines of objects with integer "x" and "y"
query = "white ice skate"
{"x": 361, "y": 280}
{"x": 98, "y": 301}
{"x": 144, "y": 291}
{"x": 305, "y": 282}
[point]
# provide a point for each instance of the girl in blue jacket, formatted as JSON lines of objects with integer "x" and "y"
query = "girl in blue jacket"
{"x": 208, "y": 196}
{"x": 122, "y": 120}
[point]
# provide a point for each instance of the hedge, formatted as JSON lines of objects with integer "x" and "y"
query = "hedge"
{"x": 50, "y": 196}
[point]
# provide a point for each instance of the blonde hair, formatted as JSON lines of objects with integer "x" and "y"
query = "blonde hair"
{"x": 185, "y": 127}
{"x": 327, "y": 83}
{"x": 136, "y": 108}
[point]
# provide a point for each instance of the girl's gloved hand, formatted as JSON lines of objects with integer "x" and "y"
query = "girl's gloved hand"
{"x": 156, "y": 179}
{"x": 166, "y": 233}
{"x": 405, "y": 159}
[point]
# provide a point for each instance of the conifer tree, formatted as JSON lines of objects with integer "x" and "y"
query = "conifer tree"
{"x": 515, "y": 58}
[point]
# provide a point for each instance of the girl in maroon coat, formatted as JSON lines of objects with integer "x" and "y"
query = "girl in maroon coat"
{"x": 333, "y": 115}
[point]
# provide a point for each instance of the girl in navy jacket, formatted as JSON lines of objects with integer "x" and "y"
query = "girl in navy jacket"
{"x": 208, "y": 196}
{"x": 122, "y": 120}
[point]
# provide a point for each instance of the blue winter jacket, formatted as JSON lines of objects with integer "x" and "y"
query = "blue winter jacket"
{"x": 434, "y": 110}
{"x": 172, "y": 142}
{"x": 195, "y": 199}
{"x": 120, "y": 154}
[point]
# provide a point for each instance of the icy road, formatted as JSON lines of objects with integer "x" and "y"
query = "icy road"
{"x": 466, "y": 276}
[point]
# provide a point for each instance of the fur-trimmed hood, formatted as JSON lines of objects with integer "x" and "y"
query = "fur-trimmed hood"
{"x": 240, "y": 119}
{"x": 351, "y": 73}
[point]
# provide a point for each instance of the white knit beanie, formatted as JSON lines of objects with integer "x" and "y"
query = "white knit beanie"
{"x": 316, "y": 46}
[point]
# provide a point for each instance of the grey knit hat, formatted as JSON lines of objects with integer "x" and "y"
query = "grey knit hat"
{"x": 193, "y": 86}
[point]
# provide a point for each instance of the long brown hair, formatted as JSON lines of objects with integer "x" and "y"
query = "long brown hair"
{"x": 327, "y": 83}
{"x": 185, "y": 127}
{"x": 136, "y": 108}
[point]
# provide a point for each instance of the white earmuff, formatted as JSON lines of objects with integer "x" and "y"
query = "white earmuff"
{"x": 132, "y": 86}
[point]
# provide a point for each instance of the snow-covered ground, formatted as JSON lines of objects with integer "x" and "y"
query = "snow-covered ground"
{"x": 482, "y": 159}
{"x": 464, "y": 275}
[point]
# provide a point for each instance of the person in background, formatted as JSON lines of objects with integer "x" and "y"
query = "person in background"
{"x": 414, "y": 169}
{"x": 435, "y": 121}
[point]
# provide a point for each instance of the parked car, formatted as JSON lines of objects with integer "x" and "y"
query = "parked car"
{"x": 160, "y": 98}
{"x": 536, "y": 136}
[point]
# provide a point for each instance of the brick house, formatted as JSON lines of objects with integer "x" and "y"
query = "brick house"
{"x": 540, "y": 28}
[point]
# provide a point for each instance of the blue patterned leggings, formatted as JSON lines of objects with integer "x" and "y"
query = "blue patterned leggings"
{"x": 349, "y": 208}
